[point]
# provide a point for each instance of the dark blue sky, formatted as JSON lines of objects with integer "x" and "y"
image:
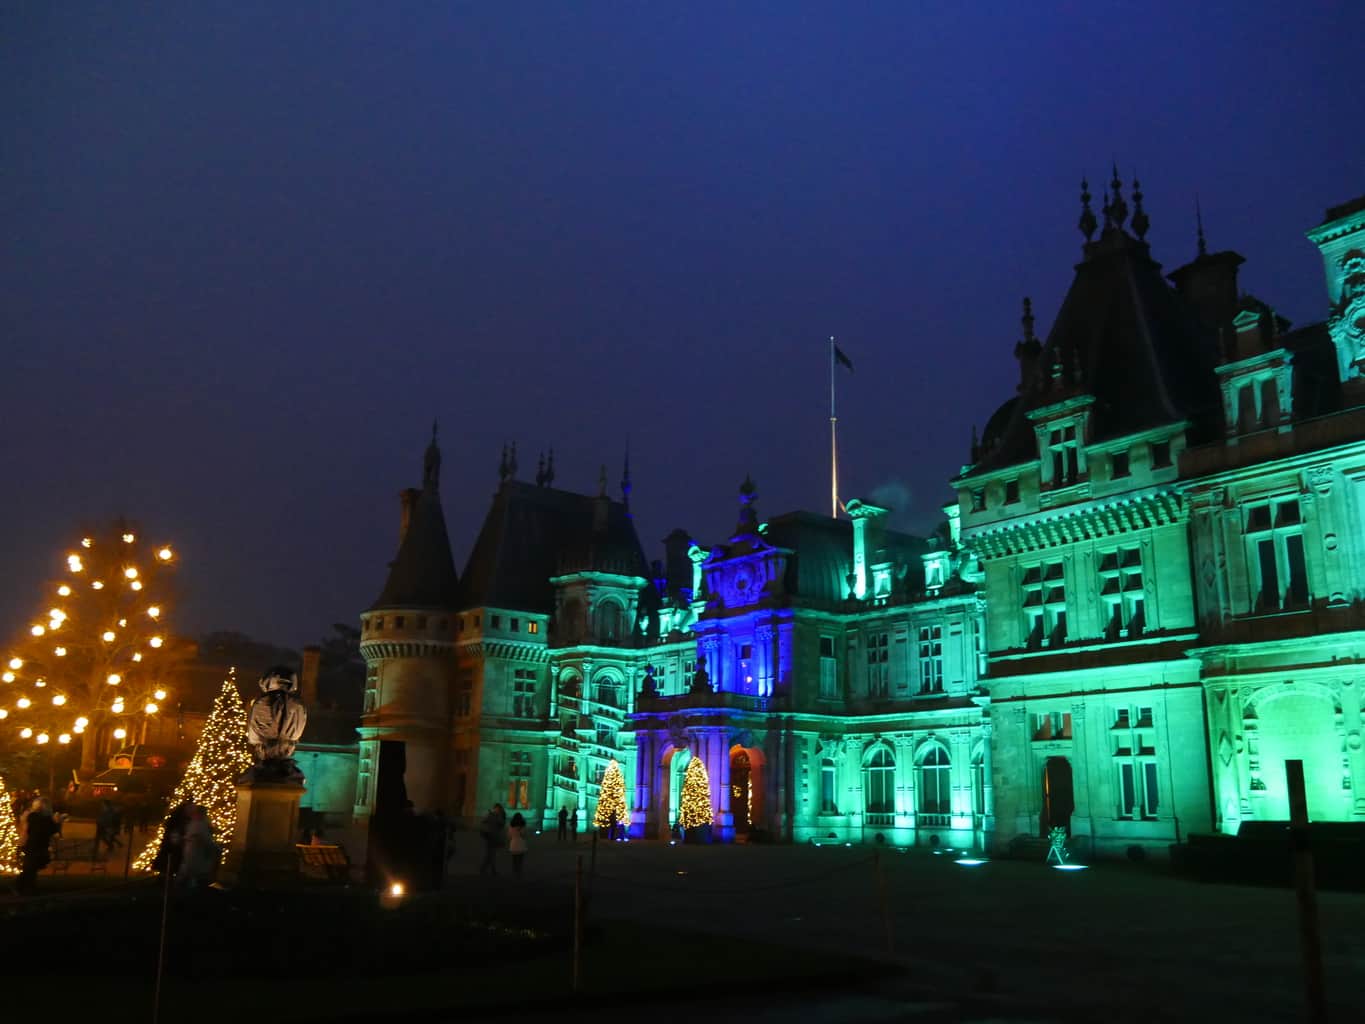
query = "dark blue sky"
{"x": 252, "y": 250}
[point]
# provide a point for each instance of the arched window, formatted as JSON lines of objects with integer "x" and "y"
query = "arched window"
{"x": 608, "y": 622}
{"x": 879, "y": 783}
{"x": 979, "y": 784}
{"x": 935, "y": 783}
{"x": 828, "y": 782}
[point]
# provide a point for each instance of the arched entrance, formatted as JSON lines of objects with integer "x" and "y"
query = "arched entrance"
{"x": 1059, "y": 795}
{"x": 741, "y": 791}
{"x": 673, "y": 767}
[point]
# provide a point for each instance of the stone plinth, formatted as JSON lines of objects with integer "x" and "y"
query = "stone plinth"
{"x": 262, "y": 849}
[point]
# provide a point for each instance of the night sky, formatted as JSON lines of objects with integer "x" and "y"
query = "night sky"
{"x": 252, "y": 250}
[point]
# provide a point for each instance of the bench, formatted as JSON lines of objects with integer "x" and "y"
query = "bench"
{"x": 326, "y": 863}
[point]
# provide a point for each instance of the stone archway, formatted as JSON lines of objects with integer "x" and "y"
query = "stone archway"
{"x": 672, "y": 766}
{"x": 747, "y": 778}
{"x": 1059, "y": 795}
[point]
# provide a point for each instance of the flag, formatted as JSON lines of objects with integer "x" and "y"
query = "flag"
{"x": 839, "y": 357}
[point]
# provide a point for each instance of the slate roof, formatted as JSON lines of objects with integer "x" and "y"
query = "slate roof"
{"x": 1125, "y": 336}
{"x": 533, "y": 533}
{"x": 823, "y": 557}
{"x": 422, "y": 574}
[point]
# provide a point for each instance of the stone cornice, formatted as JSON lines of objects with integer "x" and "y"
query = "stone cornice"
{"x": 374, "y": 650}
{"x": 1114, "y": 518}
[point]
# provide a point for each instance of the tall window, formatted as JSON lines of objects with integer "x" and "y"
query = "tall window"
{"x": 1279, "y": 573}
{"x": 828, "y": 780}
{"x": 1133, "y": 737}
{"x": 829, "y": 669}
{"x": 519, "y": 781}
{"x": 464, "y": 696}
{"x": 931, "y": 659}
{"x": 879, "y": 783}
{"x": 878, "y": 667}
{"x": 979, "y": 784}
{"x": 608, "y": 622}
{"x": 935, "y": 783}
{"x": 524, "y": 692}
{"x": 1121, "y": 592}
{"x": 1064, "y": 451}
{"x": 1044, "y": 597}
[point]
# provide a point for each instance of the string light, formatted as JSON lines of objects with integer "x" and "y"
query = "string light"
{"x": 695, "y": 801}
{"x": 137, "y": 655}
{"x": 611, "y": 800}
{"x": 37, "y": 630}
{"x": 42, "y": 737}
{"x": 59, "y": 652}
{"x": 9, "y": 835}
{"x": 16, "y": 663}
{"x": 154, "y": 611}
{"x": 160, "y": 694}
{"x": 130, "y": 573}
{"x": 64, "y": 590}
{"x": 107, "y": 636}
{"x": 73, "y": 562}
{"x": 3, "y": 713}
{"x": 155, "y": 641}
{"x": 58, "y": 699}
{"x": 150, "y": 708}
{"x": 64, "y": 738}
{"x": 25, "y": 732}
{"x": 22, "y": 702}
{"x": 136, "y": 584}
{"x": 128, "y": 538}
{"x": 120, "y": 732}
{"x": 165, "y": 554}
{"x": 86, "y": 542}
{"x": 8, "y": 677}
{"x": 97, "y": 585}
{"x": 82, "y": 722}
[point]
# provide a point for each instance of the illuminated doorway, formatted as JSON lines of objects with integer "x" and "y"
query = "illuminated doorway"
{"x": 1059, "y": 795}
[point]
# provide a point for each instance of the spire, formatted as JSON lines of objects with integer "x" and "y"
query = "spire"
{"x": 1199, "y": 222}
{"x": 503, "y": 472}
{"x": 550, "y": 469}
{"x": 1027, "y": 320}
{"x": 1116, "y": 209}
{"x": 625, "y": 479}
{"x": 1140, "y": 220}
{"x": 540, "y": 470}
{"x": 748, "y": 515}
{"x": 1087, "y": 223}
{"x": 431, "y": 463}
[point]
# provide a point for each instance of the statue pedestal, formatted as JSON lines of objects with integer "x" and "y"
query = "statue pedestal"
{"x": 262, "y": 849}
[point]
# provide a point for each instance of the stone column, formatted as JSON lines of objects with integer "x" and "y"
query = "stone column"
{"x": 988, "y": 779}
{"x": 1082, "y": 819}
{"x": 646, "y": 755}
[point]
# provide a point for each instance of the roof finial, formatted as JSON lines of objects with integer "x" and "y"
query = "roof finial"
{"x": 1199, "y": 221}
{"x": 1118, "y": 209}
{"x": 1087, "y": 224}
{"x": 1027, "y": 319}
{"x": 550, "y": 469}
{"x": 540, "y": 470}
{"x": 748, "y": 515}
{"x": 1140, "y": 220}
{"x": 431, "y": 462}
{"x": 502, "y": 465}
{"x": 625, "y": 478}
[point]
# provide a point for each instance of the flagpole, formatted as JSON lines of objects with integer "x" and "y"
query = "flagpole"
{"x": 833, "y": 441}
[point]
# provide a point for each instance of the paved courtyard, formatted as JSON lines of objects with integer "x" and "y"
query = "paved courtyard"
{"x": 1113, "y": 942}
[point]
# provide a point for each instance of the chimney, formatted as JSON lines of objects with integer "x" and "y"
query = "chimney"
{"x": 308, "y": 676}
{"x": 677, "y": 566}
{"x": 408, "y": 499}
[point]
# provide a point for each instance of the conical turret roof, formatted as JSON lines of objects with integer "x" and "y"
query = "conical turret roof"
{"x": 422, "y": 574}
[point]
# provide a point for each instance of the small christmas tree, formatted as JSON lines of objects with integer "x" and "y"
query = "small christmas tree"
{"x": 211, "y": 778}
{"x": 9, "y": 835}
{"x": 611, "y": 801}
{"x": 696, "y": 796}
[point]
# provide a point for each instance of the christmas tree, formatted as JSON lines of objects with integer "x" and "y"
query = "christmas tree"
{"x": 611, "y": 801}
{"x": 9, "y": 835}
{"x": 211, "y": 778}
{"x": 696, "y": 796}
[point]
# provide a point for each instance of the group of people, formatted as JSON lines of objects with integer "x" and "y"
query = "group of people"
{"x": 188, "y": 851}
{"x": 496, "y": 832}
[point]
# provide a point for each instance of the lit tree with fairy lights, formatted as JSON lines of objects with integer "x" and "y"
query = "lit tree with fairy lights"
{"x": 695, "y": 809}
{"x": 611, "y": 800}
{"x": 211, "y": 776}
{"x": 93, "y": 662}
{"x": 9, "y": 835}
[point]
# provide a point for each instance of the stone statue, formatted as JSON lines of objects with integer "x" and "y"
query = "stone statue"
{"x": 274, "y": 725}
{"x": 701, "y": 679}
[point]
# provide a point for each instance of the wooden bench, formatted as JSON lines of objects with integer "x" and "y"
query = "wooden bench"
{"x": 326, "y": 863}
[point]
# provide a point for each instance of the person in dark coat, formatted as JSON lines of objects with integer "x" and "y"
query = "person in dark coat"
{"x": 39, "y": 828}
{"x": 563, "y": 823}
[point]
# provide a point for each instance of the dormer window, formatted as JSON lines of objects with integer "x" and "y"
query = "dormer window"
{"x": 979, "y": 500}
{"x": 935, "y": 570}
{"x": 1064, "y": 452}
{"x": 1119, "y": 466}
{"x": 1011, "y": 492}
{"x": 1161, "y": 454}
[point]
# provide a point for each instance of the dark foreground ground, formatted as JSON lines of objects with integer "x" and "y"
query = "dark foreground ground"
{"x": 731, "y": 933}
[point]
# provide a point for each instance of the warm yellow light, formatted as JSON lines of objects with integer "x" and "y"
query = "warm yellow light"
{"x": 58, "y": 699}
{"x": 79, "y": 729}
{"x": 128, "y": 538}
{"x": 82, "y": 722}
{"x": 113, "y": 679}
{"x": 164, "y": 554}
{"x": 3, "y": 713}
{"x": 107, "y": 636}
{"x": 73, "y": 562}
{"x": 59, "y": 651}
{"x": 25, "y": 732}
{"x": 156, "y": 641}
{"x": 118, "y": 707}
{"x": 97, "y": 585}
{"x": 160, "y": 695}
{"x": 120, "y": 733}
{"x": 122, "y": 623}
{"x": 137, "y": 656}
{"x": 396, "y": 889}
{"x": 56, "y": 614}
{"x": 42, "y": 737}
{"x": 64, "y": 590}
{"x": 136, "y": 584}
{"x": 16, "y": 663}
{"x": 8, "y": 677}
{"x": 23, "y": 702}
{"x": 153, "y": 611}
{"x": 86, "y": 542}
{"x": 40, "y": 682}
{"x": 130, "y": 572}
{"x": 37, "y": 630}
{"x": 151, "y": 708}
{"x": 64, "y": 738}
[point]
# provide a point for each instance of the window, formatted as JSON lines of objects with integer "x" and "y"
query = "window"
{"x": 398, "y": 622}
{"x": 515, "y": 626}
{"x": 828, "y": 778}
{"x": 1065, "y": 453}
{"x": 1133, "y": 737}
{"x": 1161, "y": 454}
{"x": 533, "y": 627}
{"x": 878, "y": 667}
{"x": 1275, "y": 557}
{"x": 1011, "y": 492}
{"x": 978, "y": 500}
{"x": 1052, "y": 725}
{"x": 524, "y": 692}
{"x": 935, "y": 571}
{"x": 935, "y": 786}
{"x": 495, "y": 621}
{"x": 829, "y": 669}
{"x": 1121, "y": 592}
{"x": 464, "y": 697}
{"x": 379, "y": 623}
{"x": 879, "y": 783}
{"x": 1044, "y": 587}
{"x": 1118, "y": 466}
{"x": 519, "y": 781}
{"x": 608, "y": 621}
{"x": 931, "y": 659}
{"x": 606, "y": 735}
{"x": 979, "y": 785}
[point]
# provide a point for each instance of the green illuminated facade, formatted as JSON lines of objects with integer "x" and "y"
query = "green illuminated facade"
{"x": 1146, "y": 597}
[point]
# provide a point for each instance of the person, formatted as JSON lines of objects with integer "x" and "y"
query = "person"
{"x": 107, "y": 828}
{"x": 563, "y": 823}
{"x": 573, "y": 825}
{"x": 516, "y": 842}
{"x": 173, "y": 840}
{"x": 200, "y": 852}
{"x": 490, "y": 832}
{"x": 36, "y": 847}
